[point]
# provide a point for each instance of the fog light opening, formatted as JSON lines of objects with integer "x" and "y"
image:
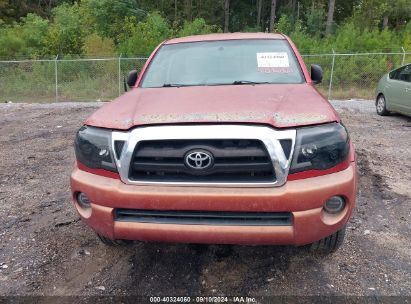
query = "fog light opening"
{"x": 334, "y": 204}
{"x": 83, "y": 201}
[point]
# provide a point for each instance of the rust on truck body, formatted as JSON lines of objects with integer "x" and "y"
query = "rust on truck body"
{"x": 279, "y": 106}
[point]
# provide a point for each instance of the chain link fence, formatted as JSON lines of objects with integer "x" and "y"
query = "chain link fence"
{"x": 101, "y": 79}
{"x": 354, "y": 75}
{"x": 62, "y": 80}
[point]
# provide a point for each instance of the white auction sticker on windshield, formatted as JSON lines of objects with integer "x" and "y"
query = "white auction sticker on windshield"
{"x": 273, "y": 62}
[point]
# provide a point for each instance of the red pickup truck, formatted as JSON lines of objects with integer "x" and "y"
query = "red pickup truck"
{"x": 222, "y": 139}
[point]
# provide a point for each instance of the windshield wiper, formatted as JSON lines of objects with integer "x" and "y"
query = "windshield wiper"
{"x": 172, "y": 85}
{"x": 249, "y": 82}
{"x": 237, "y": 82}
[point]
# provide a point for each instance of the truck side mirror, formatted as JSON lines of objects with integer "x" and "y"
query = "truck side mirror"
{"x": 316, "y": 73}
{"x": 132, "y": 78}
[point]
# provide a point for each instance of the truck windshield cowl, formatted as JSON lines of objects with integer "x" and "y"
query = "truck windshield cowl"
{"x": 211, "y": 63}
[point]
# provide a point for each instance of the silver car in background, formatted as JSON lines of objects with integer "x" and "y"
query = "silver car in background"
{"x": 394, "y": 92}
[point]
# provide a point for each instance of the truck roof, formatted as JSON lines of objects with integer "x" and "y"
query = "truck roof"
{"x": 225, "y": 36}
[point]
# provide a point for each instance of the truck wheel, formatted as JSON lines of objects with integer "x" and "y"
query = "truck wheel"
{"x": 330, "y": 243}
{"x": 114, "y": 243}
{"x": 381, "y": 106}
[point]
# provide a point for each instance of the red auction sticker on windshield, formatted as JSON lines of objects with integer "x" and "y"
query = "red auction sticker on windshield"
{"x": 274, "y": 62}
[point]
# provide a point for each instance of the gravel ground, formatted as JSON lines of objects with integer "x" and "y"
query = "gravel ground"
{"x": 46, "y": 250}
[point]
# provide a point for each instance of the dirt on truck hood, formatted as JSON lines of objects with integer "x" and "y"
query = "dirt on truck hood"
{"x": 281, "y": 106}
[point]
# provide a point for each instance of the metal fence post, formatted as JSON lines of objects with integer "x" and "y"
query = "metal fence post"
{"x": 403, "y": 55}
{"x": 119, "y": 75}
{"x": 331, "y": 76}
{"x": 56, "y": 74}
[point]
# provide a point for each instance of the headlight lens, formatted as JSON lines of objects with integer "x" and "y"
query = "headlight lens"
{"x": 320, "y": 147}
{"x": 93, "y": 148}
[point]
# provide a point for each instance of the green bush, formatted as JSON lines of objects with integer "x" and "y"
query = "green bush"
{"x": 94, "y": 45}
{"x": 106, "y": 17}
{"x": 141, "y": 38}
{"x": 407, "y": 38}
{"x": 66, "y": 33}
{"x": 351, "y": 38}
{"x": 284, "y": 25}
{"x": 197, "y": 27}
{"x": 27, "y": 38}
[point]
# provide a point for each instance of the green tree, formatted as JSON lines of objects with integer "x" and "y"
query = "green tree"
{"x": 369, "y": 14}
{"x": 94, "y": 45}
{"x": 11, "y": 45}
{"x": 406, "y": 41}
{"x": 305, "y": 42}
{"x": 242, "y": 16}
{"x": 141, "y": 38}
{"x": 33, "y": 31}
{"x": 397, "y": 13}
{"x": 350, "y": 38}
{"x": 66, "y": 33}
{"x": 316, "y": 19}
{"x": 196, "y": 27}
{"x": 13, "y": 10}
{"x": 27, "y": 38}
{"x": 284, "y": 25}
{"x": 137, "y": 26}
{"x": 106, "y": 17}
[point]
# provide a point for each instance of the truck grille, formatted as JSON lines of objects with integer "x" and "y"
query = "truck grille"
{"x": 234, "y": 161}
{"x": 216, "y": 218}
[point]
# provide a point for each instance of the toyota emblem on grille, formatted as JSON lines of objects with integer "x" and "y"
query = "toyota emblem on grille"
{"x": 199, "y": 159}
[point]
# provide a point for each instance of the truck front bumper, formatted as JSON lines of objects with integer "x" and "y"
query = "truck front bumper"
{"x": 304, "y": 199}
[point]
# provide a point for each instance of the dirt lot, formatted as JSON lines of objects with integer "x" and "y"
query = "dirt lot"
{"x": 46, "y": 250}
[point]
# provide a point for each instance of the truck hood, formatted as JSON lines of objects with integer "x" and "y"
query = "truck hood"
{"x": 279, "y": 105}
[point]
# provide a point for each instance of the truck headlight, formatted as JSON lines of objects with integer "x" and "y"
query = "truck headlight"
{"x": 93, "y": 148}
{"x": 320, "y": 147}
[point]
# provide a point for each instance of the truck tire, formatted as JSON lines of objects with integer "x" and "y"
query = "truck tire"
{"x": 114, "y": 243}
{"x": 330, "y": 243}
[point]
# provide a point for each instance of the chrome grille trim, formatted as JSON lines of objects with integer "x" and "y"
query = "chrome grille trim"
{"x": 270, "y": 137}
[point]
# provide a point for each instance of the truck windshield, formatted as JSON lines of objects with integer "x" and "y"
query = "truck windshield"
{"x": 223, "y": 63}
